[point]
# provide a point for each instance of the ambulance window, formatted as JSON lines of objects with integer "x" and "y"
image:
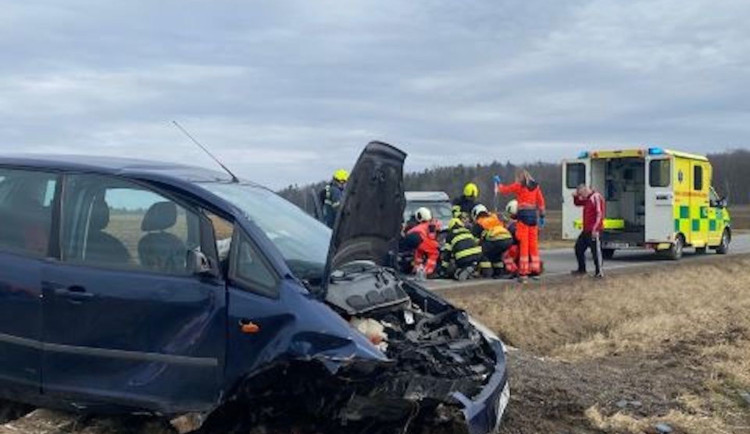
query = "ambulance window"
{"x": 698, "y": 178}
{"x": 659, "y": 173}
{"x": 575, "y": 175}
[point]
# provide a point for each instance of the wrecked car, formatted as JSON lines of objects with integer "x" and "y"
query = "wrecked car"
{"x": 142, "y": 287}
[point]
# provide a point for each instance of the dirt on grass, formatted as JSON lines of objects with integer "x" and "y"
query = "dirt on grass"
{"x": 669, "y": 346}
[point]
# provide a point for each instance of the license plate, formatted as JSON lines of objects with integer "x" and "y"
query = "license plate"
{"x": 617, "y": 245}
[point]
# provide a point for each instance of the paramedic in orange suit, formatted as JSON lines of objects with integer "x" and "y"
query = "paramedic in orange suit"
{"x": 531, "y": 208}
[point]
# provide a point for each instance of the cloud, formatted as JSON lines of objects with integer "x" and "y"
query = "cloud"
{"x": 287, "y": 91}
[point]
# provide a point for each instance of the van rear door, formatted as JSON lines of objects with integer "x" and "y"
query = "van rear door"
{"x": 660, "y": 199}
{"x": 575, "y": 173}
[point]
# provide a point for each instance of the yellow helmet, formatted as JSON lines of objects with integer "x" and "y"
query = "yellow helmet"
{"x": 471, "y": 190}
{"x": 341, "y": 175}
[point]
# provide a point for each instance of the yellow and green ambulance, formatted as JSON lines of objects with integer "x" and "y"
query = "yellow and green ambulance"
{"x": 656, "y": 199}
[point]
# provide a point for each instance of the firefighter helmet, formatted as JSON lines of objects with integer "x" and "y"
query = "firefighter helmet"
{"x": 512, "y": 208}
{"x": 477, "y": 210}
{"x": 471, "y": 190}
{"x": 341, "y": 175}
{"x": 423, "y": 215}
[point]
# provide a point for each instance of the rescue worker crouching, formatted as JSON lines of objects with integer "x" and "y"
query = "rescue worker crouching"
{"x": 461, "y": 251}
{"x": 332, "y": 195}
{"x": 424, "y": 236}
{"x": 494, "y": 238}
{"x": 510, "y": 257}
{"x": 531, "y": 211}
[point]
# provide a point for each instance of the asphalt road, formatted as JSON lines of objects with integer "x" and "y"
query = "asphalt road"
{"x": 559, "y": 262}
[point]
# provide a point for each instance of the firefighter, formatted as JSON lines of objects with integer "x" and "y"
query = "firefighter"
{"x": 462, "y": 249}
{"x": 427, "y": 253}
{"x": 332, "y": 195}
{"x": 468, "y": 201}
{"x": 494, "y": 238}
{"x": 531, "y": 208}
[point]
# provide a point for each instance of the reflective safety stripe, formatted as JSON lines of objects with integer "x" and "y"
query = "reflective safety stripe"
{"x": 485, "y": 264}
{"x": 461, "y": 237}
{"x": 498, "y": 265}
{"x": 469, "y": 252}
{"x": 496, "y": 233}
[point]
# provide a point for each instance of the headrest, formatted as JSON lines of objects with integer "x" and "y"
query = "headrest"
{"x": 161, "y": 216}
{"x": 99, "y": 214}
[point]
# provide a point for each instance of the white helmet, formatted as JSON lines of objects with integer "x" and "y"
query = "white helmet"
{"x": 479, "y": 209}
{"x": 423, "y": 215}
{"x": 512, "y": 207}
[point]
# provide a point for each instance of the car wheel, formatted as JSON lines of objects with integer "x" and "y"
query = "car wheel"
{"x": 675, "y": 251}
{"x": 701, "y": 250}
{"x": 608, "y": 253}
{"x": 723, "y": 248}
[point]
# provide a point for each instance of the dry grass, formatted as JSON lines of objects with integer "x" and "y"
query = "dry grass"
{"x": 696, "y": 314}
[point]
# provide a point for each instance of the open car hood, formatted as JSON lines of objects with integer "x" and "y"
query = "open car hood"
{"x": 369, "y": 221}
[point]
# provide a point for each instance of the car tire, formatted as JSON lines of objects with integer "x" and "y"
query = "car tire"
{"x": 675, "y": 250}
{"x": 608, "y": 253}
{"x": 726, "y": 239}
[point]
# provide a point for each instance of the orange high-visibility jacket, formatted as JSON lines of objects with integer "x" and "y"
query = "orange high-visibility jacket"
{"x": 528, "y": 196}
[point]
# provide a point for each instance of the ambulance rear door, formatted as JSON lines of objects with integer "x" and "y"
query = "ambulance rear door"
{"x": 575, "y": 173}
{"x": 660, "y": 198}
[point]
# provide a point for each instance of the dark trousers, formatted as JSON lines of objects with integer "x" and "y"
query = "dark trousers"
{"x": 586, "y": 241}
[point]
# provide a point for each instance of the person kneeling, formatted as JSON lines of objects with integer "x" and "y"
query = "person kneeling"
{"x": 464, "y": 249}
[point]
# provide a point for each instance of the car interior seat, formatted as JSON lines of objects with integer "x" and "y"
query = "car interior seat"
{"x": 159, "y": 250}
{"x": 102, "y": 247}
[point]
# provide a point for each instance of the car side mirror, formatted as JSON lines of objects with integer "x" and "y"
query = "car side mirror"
{"x": 198, "y": 263}
{"x": 723, "y": 202}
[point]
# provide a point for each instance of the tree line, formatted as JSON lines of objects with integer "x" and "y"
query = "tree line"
{"x": 731, "y": 178}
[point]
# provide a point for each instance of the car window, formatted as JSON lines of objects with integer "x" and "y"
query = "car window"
{"x": 250, "y": 269}
{"x": 575, "y": 175}
{"x": 698, "y": 178}
{"x": 223, "y": 231}
{"x": 659, "y": 173}
{"x": 26, "y": 210}
{"x": 115, "y": 223}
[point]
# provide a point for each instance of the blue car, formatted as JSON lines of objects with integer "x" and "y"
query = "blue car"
{"x": 131, "y": 286}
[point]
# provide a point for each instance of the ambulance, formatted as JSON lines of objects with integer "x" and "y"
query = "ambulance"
{"x": 656, "y": 199}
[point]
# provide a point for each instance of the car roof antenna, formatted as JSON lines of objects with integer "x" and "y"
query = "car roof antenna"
{"x": 213, "y": 157}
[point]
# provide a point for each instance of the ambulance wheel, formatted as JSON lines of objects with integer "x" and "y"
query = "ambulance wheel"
{"x": 608, "y": 253}
{"x": 675, "y": 251}
{"x": 726, "y": 238}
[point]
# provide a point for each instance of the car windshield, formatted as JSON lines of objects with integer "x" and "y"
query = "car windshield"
{"x": 302, "y": 240}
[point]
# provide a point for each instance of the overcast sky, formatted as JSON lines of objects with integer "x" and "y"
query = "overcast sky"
{"x": 287, "y": 91}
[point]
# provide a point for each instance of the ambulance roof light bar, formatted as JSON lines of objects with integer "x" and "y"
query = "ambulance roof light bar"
{"x": 656, "y": 151}
{"x": 583, "y": 154}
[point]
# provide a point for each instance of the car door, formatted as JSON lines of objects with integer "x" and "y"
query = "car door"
{"x": 26, "y": 209}
{"x": 715, "y": 218}
{"x": 125, "y": 320}
{"x": 699, "y": 204}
